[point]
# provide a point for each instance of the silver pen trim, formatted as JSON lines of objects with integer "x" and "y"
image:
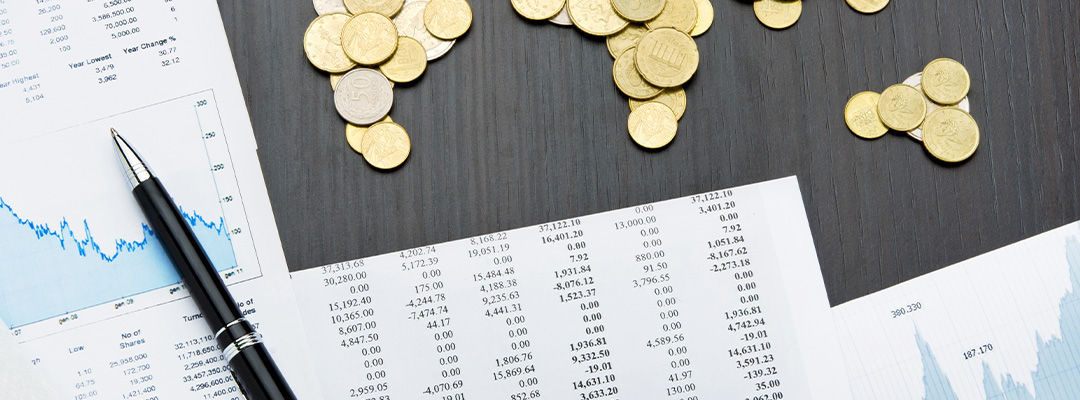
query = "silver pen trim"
{"x": 134, "y": 168}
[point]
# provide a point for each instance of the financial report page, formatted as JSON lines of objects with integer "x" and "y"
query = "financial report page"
{"x": 85, "y": 287}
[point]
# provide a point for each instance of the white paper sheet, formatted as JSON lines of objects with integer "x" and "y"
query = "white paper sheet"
{"x": 712, "y": 296}
{"x": 84, "y": 286}
{"x": 1003, "y": 325}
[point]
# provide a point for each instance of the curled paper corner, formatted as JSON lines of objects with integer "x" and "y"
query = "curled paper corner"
{"x": 18, "y": 376}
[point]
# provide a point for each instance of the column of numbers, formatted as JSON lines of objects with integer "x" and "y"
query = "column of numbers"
{"x": 502, "y": 304}
{"x": 430, "y": 310}
{"x": 352, "y": 317}
{"x": 654, "y": 279}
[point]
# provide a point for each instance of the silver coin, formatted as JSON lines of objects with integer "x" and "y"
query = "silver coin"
{"x": 915, "y": 81}
{"x": 562, "y": 18}
{"x": 329, "y": 6}
{"x": 363, "y": 96}
{"x": 410, "y": 22}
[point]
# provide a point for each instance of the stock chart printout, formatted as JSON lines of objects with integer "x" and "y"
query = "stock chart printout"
{"x": 1003, "y": 325}
{"x": 85, "y": 288}
{"x": 711, "y": 296}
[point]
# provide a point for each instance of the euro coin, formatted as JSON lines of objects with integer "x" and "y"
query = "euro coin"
{"x": 538, "y": 9}
{"x": 915, "y": 81}
{"x": 638, "y": 10}
{"x": 363, "y": 96}
{"x": 945, "y": 81}
{"x": 595, "y": 17}
{"x": 410, "y": 22}
{"x": 335, "y": 78}
{"x": 329, "y": 6}
{"x": 704, "y": 17}
{"x": 354, "y": 135}
{"x": 562, "y": 18}
{"x": 447, "y": 19}
{"x": 674, "y": 98}
{"x": 861, "y": 116}
{"x": 868, "y": 6}
{"x": 625, "y": 39}
{"x": 667, "y": 57}
{"x": 778, "y": 14}
{"x": 652, "y": 125}
{"x": 322, "y": 43}
{"x": 388, "y": 8}
{"x": 901, "y": 107}
{"x": 678, "y": 14}
{"x": 628, "y": 80}
{"x": 950, "y": 134}
{"x": 369, "y": 38}
{"x": 386, "y": 145}
{"x": 407, "y": 63}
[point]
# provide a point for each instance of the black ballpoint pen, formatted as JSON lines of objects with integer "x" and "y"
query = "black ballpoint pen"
{"x": 243, "y": 348}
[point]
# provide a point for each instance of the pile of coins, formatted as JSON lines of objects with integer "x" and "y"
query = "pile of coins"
{"x": 652, "y": 44}
{"x": 931, "y": 106}
{"x": 781, "y": 14}
{"x": 369, "y": 45}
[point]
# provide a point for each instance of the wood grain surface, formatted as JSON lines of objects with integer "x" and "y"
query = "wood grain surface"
{"x": 521, "y": 123}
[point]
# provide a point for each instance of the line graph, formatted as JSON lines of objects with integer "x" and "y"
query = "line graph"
{"x": 66, "y": 238}
{"x": 1004, "y": 325}
{"x": 73, "y": 238}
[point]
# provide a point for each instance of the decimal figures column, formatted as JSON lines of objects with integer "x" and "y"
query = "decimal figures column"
{"x": 351, "y": 315}
{"x": 728, "y": 256}
{"x": 575, "y": 287}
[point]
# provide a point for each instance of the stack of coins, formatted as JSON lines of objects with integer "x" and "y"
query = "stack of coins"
{"x": 931, "y": 106}
{"x": 369, "y": 45}
{"x": 781, "y": 14}
{"x": 654, "y": 51}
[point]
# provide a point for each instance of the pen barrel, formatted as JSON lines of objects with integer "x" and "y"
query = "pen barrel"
{"x": 197, "y": 271}
{"x": 253, "y": 368}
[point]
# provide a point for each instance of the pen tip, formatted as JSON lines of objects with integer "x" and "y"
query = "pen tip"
{"x": 115, "y": 134}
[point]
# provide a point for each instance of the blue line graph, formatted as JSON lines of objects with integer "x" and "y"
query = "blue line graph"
{"x": 1057, "y": 374}
{"x": 81, "y": 270}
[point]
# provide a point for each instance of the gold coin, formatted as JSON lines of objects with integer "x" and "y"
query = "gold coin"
{"x": 625, "y": 39}
{"x": 407, "y": 63}
{"x": 901, "y": 107}
{"x": 638, "y": 10}
{"x": 388, "y": 8}
{"x": 652, "y": 125}
{"x": 868, "y": 6}
{"x": 678, "y": 14}
{"x": 354, "y": 134}
{"x": 386, "y": 145}
{"x": 861, "y": 116}
{"x": 538, "y": 9}
{"x": 945, "y": 81}
{"x": 667, "y": 57}
{"x": 369, "y": 38}
{"x": 778, "y": 14}
{"x": 704, "y": 17}
{"x": 595, "y": 17}
{"x": 322, "y": 43}
{"x": 447, "y": 19}
{"x": 628, "y": 80}
{"x": 950, "y": 134}
{"x": 674, "y": 98}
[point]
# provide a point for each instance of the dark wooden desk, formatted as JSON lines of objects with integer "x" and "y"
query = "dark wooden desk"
{"x": 521, "y": 123}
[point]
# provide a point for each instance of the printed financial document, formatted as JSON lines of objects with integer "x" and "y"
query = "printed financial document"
{"x": 712, "y": 296}
{"x": 84, "y": 286}
{"x": 1003, "y": 325}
